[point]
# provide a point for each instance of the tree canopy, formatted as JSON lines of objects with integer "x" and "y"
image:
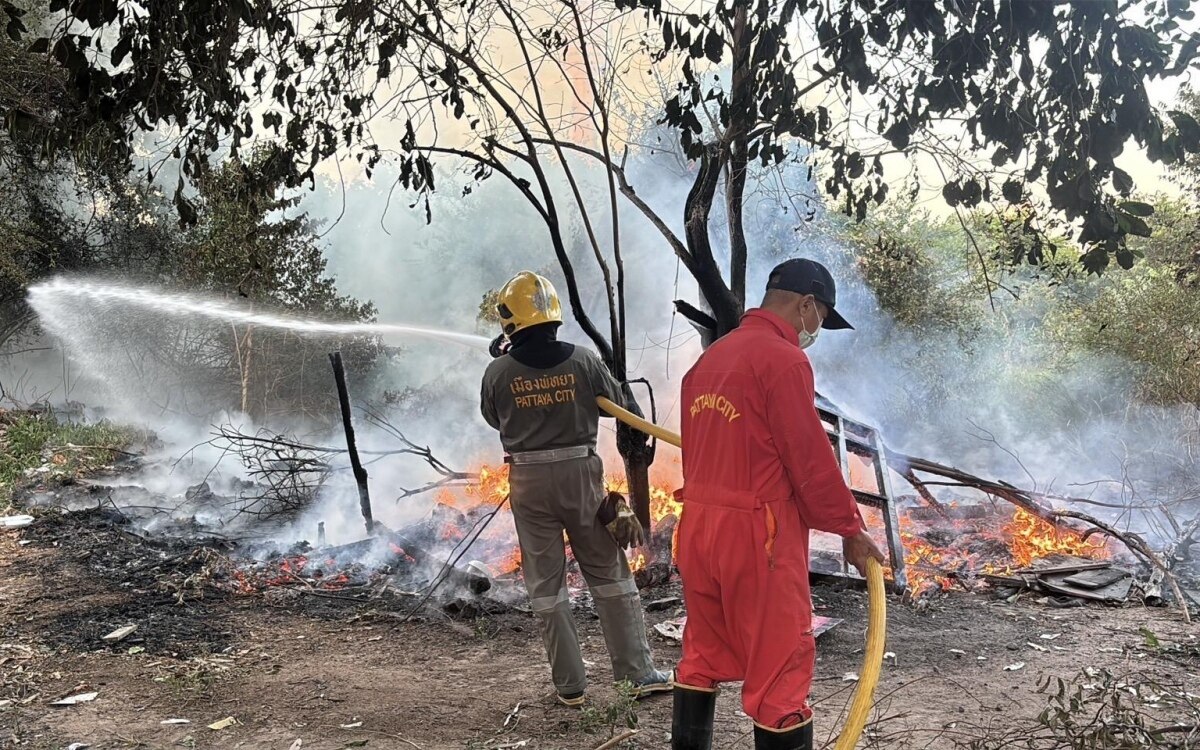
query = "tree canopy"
{"x": 1015, "y": 100}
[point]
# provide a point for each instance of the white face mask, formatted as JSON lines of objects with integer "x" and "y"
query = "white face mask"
{"x": 807, "y": 339}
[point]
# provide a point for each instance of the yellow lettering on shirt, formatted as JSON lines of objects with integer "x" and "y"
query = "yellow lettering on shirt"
{"x": 547, "y": 390}
{"x": 715, "y": 402}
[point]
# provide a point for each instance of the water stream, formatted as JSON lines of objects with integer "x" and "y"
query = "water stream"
{"x": 44, "y": 298}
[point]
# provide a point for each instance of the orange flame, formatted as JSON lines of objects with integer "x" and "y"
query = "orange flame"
{"x": 1025, "y": 539}
{"x": 662, "y": 497}
{"x": 492, "y": 486}
{"x": 919, "y": 557}
{"x": 1034, "y": 538}
{"x": 638, "y": 561}
{"x": 510, "y": 564}
{"x": 336, "y": 582}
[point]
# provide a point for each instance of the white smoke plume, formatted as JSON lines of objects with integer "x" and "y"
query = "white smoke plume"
{"x": 435, "y": 275}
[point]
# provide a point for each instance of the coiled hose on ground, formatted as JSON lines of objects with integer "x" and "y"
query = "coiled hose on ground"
{"x": 868, "y": 677}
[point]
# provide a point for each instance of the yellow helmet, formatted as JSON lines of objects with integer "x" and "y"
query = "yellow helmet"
{"x": 528, "y": 300}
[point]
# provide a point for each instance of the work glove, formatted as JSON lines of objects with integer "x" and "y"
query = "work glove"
{"x": 499, "y": 346}
{"x": 618, "y": 518}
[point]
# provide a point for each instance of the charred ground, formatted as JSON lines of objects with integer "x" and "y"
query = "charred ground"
{"x": 291, "y": 666}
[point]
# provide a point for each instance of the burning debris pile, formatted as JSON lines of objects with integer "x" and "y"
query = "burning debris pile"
{"x": 652, "y": 565}
{"x": 398, "y": 563}
{"x": 1056, "y": 551}
{"x": 934, "y": 546}
{"x": 391, "y": 570}
{"x": 979, "y": 541}
{"x": 1069, "y": 583}
{"x": 1002, "y": 540}
{"x": 971, "y": 547}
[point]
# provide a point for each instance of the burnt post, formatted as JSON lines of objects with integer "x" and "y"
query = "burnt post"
{"x": 360, "y": 474}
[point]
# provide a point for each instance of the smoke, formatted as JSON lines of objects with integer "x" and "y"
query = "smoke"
{"x": 1001, "y": 404}
{"x": 438, "y": 273}
{"x": 1003, "y": 399}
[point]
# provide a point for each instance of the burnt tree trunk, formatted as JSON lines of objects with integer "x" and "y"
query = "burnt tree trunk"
{"x": 662, "y": 541}
{"x": 360, "y": 474}
{"x": 639, "y": 491}
{"x": 725, "y": 301}
{"x": 724, "y": 304}
{"x": 634, "y": 448}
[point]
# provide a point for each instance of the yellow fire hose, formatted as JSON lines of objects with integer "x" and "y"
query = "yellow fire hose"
{"x": 868, "y": 677}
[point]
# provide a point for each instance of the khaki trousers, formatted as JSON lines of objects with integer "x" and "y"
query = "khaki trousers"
{"x": 548, "y": 499}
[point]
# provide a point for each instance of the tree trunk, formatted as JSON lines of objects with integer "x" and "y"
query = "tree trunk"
{"x": 635, "y": 451}
{"x": 725, "y": 306}
{"x": 360, "y": 474}
{"x": 244, "y": 345}
{"x": 725, "y": 301}
{"x": 740, "y": 121}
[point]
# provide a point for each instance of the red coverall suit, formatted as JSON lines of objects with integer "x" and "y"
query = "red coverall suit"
{"x": 759, "y": 474}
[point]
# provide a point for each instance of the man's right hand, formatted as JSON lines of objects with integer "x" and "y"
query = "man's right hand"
{"x": 859, "y": 548}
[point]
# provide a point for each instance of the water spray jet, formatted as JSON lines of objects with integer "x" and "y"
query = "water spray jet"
{"x": 43, "y": 296}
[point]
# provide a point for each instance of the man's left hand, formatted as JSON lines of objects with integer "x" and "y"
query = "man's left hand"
{"x": 499, "y": 346}
{"x": 626, "y": 528}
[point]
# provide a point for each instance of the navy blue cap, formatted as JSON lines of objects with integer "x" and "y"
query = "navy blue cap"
{"x": 804, "y": 276}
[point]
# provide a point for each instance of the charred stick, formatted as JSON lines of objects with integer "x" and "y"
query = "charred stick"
{"x": 925, "y": 494}
{"x": 1024, "y": 500}
{"x": 360, "y": 474}
{"x": 326, "y": 595}
{"x": 449, "y": 568}
{"x": 1172, "y": 729}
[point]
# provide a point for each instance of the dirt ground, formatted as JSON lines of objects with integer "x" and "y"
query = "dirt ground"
{"x": 322, "y": 673}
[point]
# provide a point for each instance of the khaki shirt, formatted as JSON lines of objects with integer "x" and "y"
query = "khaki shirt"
{"x": 538, "y": 409}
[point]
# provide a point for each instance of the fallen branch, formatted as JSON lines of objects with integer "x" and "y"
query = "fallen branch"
{"x": 1032, "y": 501}
{"x": 424, "y": 452}
{"x": 1177, "y": 728}
{"x": 327, "y": 595}
{"x": 231, "y": 435}
{"x": 618, "y": 740}
{"x": 1027, "y": 501}
{"x": 73, "y": 447}
{"x": 460, "y": 480}
{"x": 288, "y": 472}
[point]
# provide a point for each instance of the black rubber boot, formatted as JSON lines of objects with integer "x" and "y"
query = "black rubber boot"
{"x": 692, "y": 720}
{"x": 800, "y": 738}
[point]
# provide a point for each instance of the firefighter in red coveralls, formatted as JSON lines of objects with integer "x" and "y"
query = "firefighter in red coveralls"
{"x": 759, "y": 474}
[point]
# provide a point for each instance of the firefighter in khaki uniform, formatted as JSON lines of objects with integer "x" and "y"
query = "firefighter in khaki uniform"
{"x": 541, "y": 396}
{"x": 759, "y": 473}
